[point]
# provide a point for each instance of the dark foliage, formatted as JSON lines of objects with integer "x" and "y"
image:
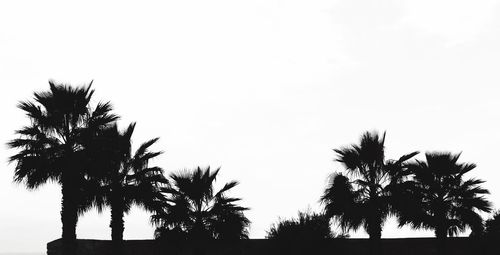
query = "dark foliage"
{"x": 193, "y": 210}
{"x": 364, "y": 195}
{"x": 439, "y": 198}
{"x": 308, "y": 226}
{"x": 492, "y": 226}
{"x": 53, "y": 147}
{"x": 127, "y": 179}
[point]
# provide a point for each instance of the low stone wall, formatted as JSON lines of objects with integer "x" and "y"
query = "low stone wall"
{"x": 409, "y": 246}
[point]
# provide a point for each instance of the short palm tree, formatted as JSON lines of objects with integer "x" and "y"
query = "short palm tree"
{"x": 127, "y": 178}
{"x": 193, "y": 210}
{"x": 492, "y": 226}
{"x": 364, "y": 196}
{"x": 52, "y": 147}
{"x": 439, "y": 198}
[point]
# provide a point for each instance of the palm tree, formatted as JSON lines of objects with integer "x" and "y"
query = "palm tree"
{"x": 365, "y": 199}
{"x": 439, "y": 198}
{"x": 492, "y": 226}
{"x": 128, "y": 179}
{"x": 52, "y": 147}
{"x": 192, "y": 210}
{"x": 308, "y": 226}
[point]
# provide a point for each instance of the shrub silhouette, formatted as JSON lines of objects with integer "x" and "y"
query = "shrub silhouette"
{"x": 308, "y": 226}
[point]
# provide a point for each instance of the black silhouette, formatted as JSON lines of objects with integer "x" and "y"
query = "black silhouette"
{"x": 439, "y": 198}
{"x": 52, "y": 147}
{"x": 308, "y": 226}
{"x": 366, "y": 200}
{"x": 192, "y": 210}
{"x": 492, "y": 227}
{"x": 127, "y": 178}
{"x": 81, "y": 148}
{"x": 444, "y": 201}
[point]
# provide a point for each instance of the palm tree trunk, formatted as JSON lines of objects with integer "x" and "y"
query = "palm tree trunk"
{"x": 375, "y": 232}
{"x": 440, "y": 233}
{"x": 375, "y": 229}
{"x": 441, "y": 227}
{"x": 441, "y": 238}
{"x": 117, "y": 223}
{"x": 69, "y": 217}
{"x": 374, "y": 223}
{"x": 375, "y": 216}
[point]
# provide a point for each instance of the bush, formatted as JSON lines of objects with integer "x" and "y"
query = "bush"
{"x": 308, "y": 226}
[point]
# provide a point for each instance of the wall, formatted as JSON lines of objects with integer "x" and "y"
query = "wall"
{"x": 411, "y": 246}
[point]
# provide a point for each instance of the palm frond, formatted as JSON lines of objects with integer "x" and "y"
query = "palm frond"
{"x": 226, "y": 187}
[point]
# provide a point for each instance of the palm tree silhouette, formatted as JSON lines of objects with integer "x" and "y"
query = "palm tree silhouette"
{"x": 492, "y": 226}
{"x": 439, "y": 198}
{"x": 366, "y": 200}
{"x": 128, "y": 179}
{"x": 52, "y": 147}
{"x": 193, "y": 210}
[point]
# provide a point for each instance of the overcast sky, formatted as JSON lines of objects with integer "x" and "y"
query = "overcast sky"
{"x": 264, "y": 89}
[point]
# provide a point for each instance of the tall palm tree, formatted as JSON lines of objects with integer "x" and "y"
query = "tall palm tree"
{"x": 439, "y": 198}
{"x": 193, "y": 210}
{"x": 363, "y": 197}
{"x": 52, "y": 147}
{"x": 128, "y": 179}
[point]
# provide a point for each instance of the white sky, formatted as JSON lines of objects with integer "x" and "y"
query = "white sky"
{"x": 265, "y": 89}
